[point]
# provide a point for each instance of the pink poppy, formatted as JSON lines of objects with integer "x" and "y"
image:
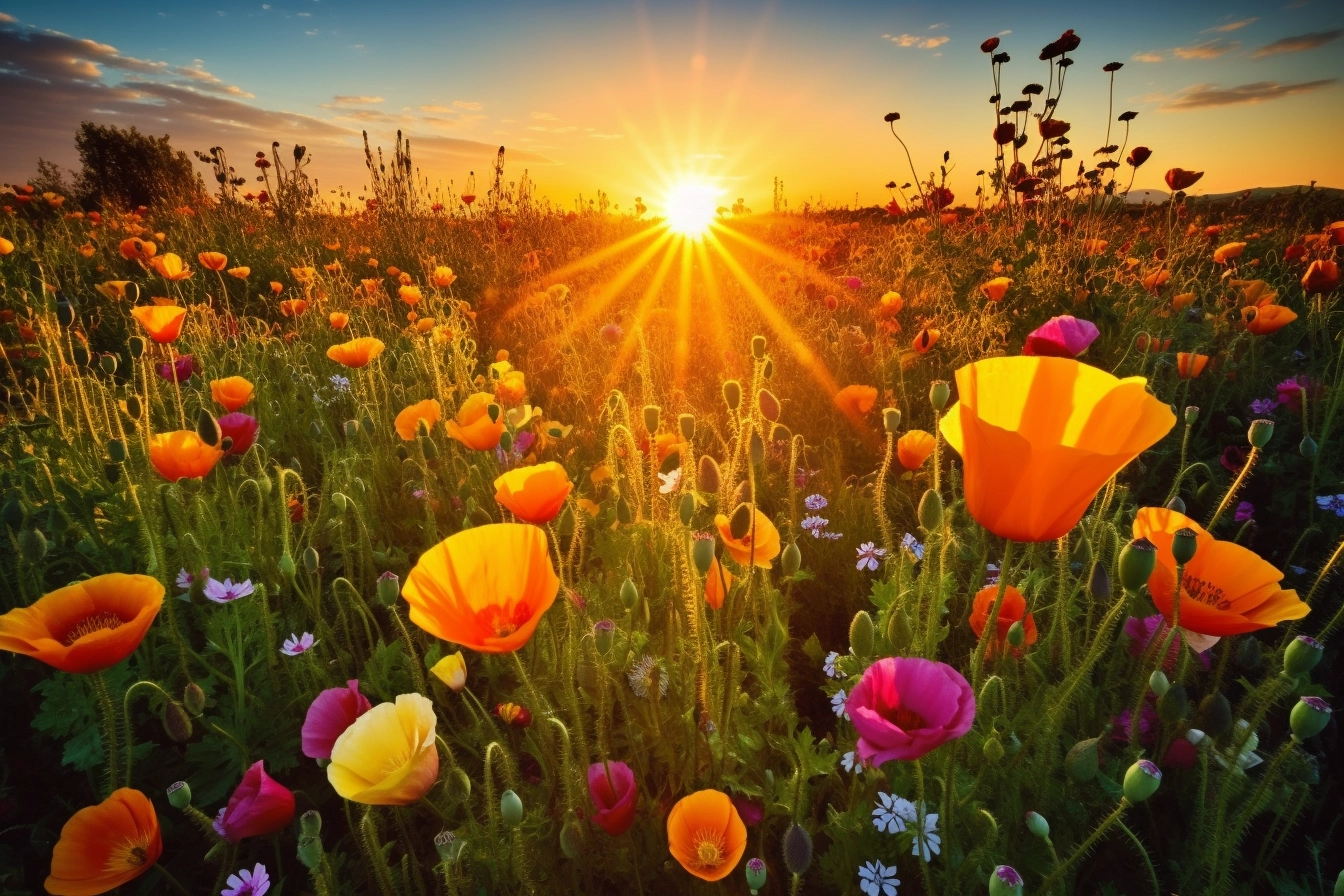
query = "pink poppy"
{"x": 334, "y": 710}
{"x": 750, "y": 810}
{"x": 259, "y": 806}
{"x": 1291, "y": 390}
{"x": 240, "y": 427}
{"x": 611, "y": 785}
{"x": 1148, "y": 633}
{"x": 905, "y": 707}
{"x": 181, "y": 369}
{"x": 1061, "y": 337}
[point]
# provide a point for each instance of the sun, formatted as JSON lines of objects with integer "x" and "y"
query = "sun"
{"x": 690, "y": 206}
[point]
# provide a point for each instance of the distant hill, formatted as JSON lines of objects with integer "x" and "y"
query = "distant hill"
{"x": 1157, "y": 197}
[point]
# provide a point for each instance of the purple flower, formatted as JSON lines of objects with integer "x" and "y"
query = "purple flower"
{"x": 1331, "y": 503}
{"x": 180, "y": 369}
{"x": 1062, "y": 337}
{"x": 1233, "y": 459}
{"x": 240, "y": 427}
{"x": 297, "y": 644}
{"x": 226, "y": 591}
{"x": 911, "y": 544}
{"x": 750, "y": 810}
{"x": 248, "y": 883}
{"x": 186, "y": 579}
{"x": 1147, "y": 725}
{"x": 1149, "y": 632}
{"x": 1262, "y": 406}
{"x": 1245, "y": 510}
{"x": 869, "y": 556}
{"x": 802, "y": 476}
{"x": 815, "y": 502}
{"x": 814, "y": 524}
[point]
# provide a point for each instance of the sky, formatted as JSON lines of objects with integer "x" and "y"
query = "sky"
{"x": 629, "y": 98}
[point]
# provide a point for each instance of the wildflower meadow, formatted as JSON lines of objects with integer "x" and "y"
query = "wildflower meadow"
{"x": 444, "y": 543}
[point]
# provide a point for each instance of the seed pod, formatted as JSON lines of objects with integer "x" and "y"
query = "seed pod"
{"x": 652, "y": 417}
{"x": 1083, "y": 760}
{"x": 1191, "y": 415}
{"x": 179, "y": 795}
{"x": 1141, "y": 781}
{"x": 702, "y": 553}
{"x": 931, "y": 510}
{"x": 389, "y": 588}
{"x": 629, "y": 594}
{"x": 708, "y": 478}
{"x": 755, "y": 875}
{"x": 769, "y": 405}
{"x": 604, "y": 635}
{"x": 193, "y": 698}
{"x": 133, "y": 407}
{"x": 1183, "y": 545}
{"x": 740, "y": 522}
{"x": 687, "y": 508}
{"x": 33, "y": 545}
{"x": 891, "y": 420}
{"x": 1301, "y": 656}
{"x": 791, "y": 559}
{"x": 1309, "y": 718}
{"x": 940, "y": 391}
{"x": 861, "y": 635}
{"x": 176, "y": 722}
{"x": 510, "y": 809}
{"x": 1005, "y": 881}
{"x": 1137, "y": 561}
{"x": 207, "y": 427}
{"x": 756, "y": 447}
{"x": 797, "y": 849}
{"x": 732, "y": 394}
{"x": 758, "y": 347}
{"x": 1260, "y": 433}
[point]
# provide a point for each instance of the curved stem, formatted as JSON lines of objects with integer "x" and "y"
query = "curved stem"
{"x": 1087, "y": 844}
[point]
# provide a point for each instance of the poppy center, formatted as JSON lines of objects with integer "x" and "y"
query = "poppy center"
{"x": 89, "y": 624}
{"x": 907, "y": 719}
{"x": 503, "y": 622}
{"x": 710, "y": 849}
{"x": 131, "y": 854}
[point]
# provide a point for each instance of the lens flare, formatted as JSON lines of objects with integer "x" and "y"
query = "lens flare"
{"x": 690, "y": 207}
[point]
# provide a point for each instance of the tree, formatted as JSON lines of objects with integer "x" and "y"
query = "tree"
{"x": 123, "y": 168}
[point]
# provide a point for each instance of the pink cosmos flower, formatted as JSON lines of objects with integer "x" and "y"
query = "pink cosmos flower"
{"x": 260, "y": 805}
{"x": 611, "y": 785}
{"x": 1061, "y": 337}
{"x": 240, "y": 427}
{"x": 905, "y": 707}
{"x": 333, "y": 711}
{"x": 297, "y": 644}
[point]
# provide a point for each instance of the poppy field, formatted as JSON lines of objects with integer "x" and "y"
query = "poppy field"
{"x": 484, "y": 546}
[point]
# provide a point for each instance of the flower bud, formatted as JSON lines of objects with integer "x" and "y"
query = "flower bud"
{"x": 768, "y": 404}
{"x": 1083, "y": 760}
{"x": 1173, "y": 705}
{"x": 629, "y": 594}
{"x": 797, "y": 849}
{"x": 310, "y": 823}
{"x": 702, "y": 553}
{"x": 449, "y": 846}
{"x": 652, "y": 417}
{"x": 179, "y": 795}
{"x": 931, "y": 510}
{"x": 686, "y": 508}
{"x": 366, "y": 424}
{"x": 1099, "y": 583}
{"x": 732, "y": 394}
{"x": 791, "y": 559}
{"x": 1183, "y": 545}
{"x": 1158, "y": 682}
{"x": 314, "y": 430}
{"x": 458, "y": 784}
{"x": 756, "y": 447}
{"x": 899, "y": 631}
{"x": 1017, "y": 634}
{"x": 1307, "y": 447}
{"x": 33, "y": 545}
{"x": 12, "y": 511}
{"x": 1309, "y": 718}
{"x": 708, "y": 478}
{"x": 1260, "y": 433}
{"x": 1302, "y": 655}
{"x": 1214, "y": 715}
{"x": 1177, "y": 504}
{"x": 389, "y": 588}
{"x": 1004, "y": 881}
{"x": 351, "y": 430}
{"x": 226, "y": 444}
{"x": 452, "y": 671}
{"x": 116, "y": 450}
{"x": 861, "y": 635}
{"x": 624, "y": 515}
{"x": 1081, "y": 552}
{"x": 133, "y": 407}
{"x": 311, "y": 559}
{"x": 1037, "y": 825}
{"x": 193, "y": 698}
{"x": 939, "y": 393}
{"x": 992, "y": 749}
{"x": 207, "y": 427}
{"x": 108, "y": 363}
{"x": 431, "y": 451}
{"x": 494, "y": 412}
{"x": 768, "y": 368}
{"x": 136, "y": 345}
{"x": 755, "y": 875}
{"x": 1137, "y": 561}
{"x": 176, "y": 722}
{"x": 510, "y": 809}
{"x": 604, "y": 633}
{"x": 1141, "y": 781}
{"x": 572, "y": 838}
{"x": 891, "y": 420}
{"x": 310, "y": 851}
{"x": 740, "y": 522}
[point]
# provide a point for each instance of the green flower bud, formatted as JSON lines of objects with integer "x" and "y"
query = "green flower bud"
{"x": 179, "y": 795}
{"x": 351, "y": 429}
{"x": 1183, "y": 545}
{"x": 686, "y": 423}
{"x": 176, "y": 722}
{"x": 791, "y": 559}
{"x": 510, "y": 809}
{"x": 931, "y": 510}
{"x": 1081, "y": 553}
{"x": 389, "y": 588}
{"x": 732, "y": 394}
{"x": 1017, "y": 634}
{"x": 1083, "y": 760}
{"x": 1309, "y": 718}
{"x": 33, "y": 545}
{"x": 768, "y": 368}
{"x": 112, "y": 472}
{"x": 652, "y": 417}
{"x": 1137, "y": 561}
{"x": 1173, "y": 705}
{"x": 768, "y": 404}
{"x": 755, "y": 875}
{"x": 286, "y": 564}
{"x": 1307, "y": 447}
{"x": 108, "y": 363}
{"x": 116, "y": 450}
{"x": 431, "y": 451}
{"x": 572, "y": 838}
{"x": 310, "y": 852}
{"x": 686, "y": 509}
{"x": 992, "y": 749}
{"x": 797, "y": 845}
{"x": 861, "y": 635}
{"x": 12, "y": 511}
{"x": 136, "y": 345}
{"x": 702, "y": 552}
{"x": 310, "y": 823}
{"x": 193, "y": 698}
{"x": 624, "y": 515}
{"x": 629, "y": 594}
{"x": 899, "y": 631}
{"x": 758, "y": 347}
{"x": 1141, "y": 781}
{"x": 939, "y": 393}
{"x": 1260, "y": 433}
{"x": 1158, "y": 682}
{"x": 458, "y": 785}
{"x": 314, "y": 430}
{"x": 1004, "y": 881}
{"x": 1037, "y": 825}
{"x": 1302, "y": 655}
{"x": 740, "y": 522}
{"x": 756, "y": 447}
{"x": 1214, "y": 716}
{"x": 1099, "y": 583}
{"x": 494, "y": 411}
{"x": 311, "y": 559}
{"x": 564, "y": 526}
{"x": 133, "y": 407}
{"x": 604, "y": 634}
{"x": 207, "y": 427}
{"x": 708, "y": 478}
{"x": 1176, "y": 504}
{"x": 891, "y": 420}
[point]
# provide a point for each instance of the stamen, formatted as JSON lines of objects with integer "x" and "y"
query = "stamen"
{"x": 89, "y": 624}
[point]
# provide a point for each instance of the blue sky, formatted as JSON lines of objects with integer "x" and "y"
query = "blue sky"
{"x": 623, "y": 97}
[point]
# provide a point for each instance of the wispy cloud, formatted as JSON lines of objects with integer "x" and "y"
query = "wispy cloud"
{"x": 1210, "y": 49}
{"x": 1235, "y": 26}
{"x": 1299, "y": 43}
{"x": 469, "y": 105}
{"x": 1147, "y": 57}
{"x": 915, "y": 40}
{"x": 1203, "y": 96}
{"x": 343, "y": 100}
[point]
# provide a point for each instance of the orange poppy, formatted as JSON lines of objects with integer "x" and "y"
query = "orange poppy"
{"x": 277, "y": 287}
{"x": 511, "y": 388}
{"x": 1038, "y": 437}
{"x": 1322, "y": 276}
{"x": 182, "y": 454}
{"x": 293, "y": 307}
{"x": 113, "y": 289}
{"x": 485, "y": 588}
{"x": 356, "y": 352}
{"x": 996, "y": 289}
{"x": 137, "y": 250}
{"x": 241, "y": 273}
{"x": 1156, "y": 281}
{"x": 534, "y": 494}
{"x": 1095, "y": 247}
{"x": 371, "y": 287}
{"x": 170, "y": 266}
{"x": 85, "y": 627}
{"x": 1267, "y": 319}
{"x": 1013, "y": 609}
{"x": 338, "y": 320}
{"x": 409, "y": 294}
{"x": 1184, "y": 300}
{"x": 6, "y": 246}
{"x": 473, "y": 426}
{"x": 926, "y": 339}
{"x": 408, "y": 421}
{"x": 718, "y": 581}
{"x": 855, "y": 401}
{"x": 1181, "y": 179}
{"x": 1190, "y": 366}
{"x": 443, "y": 277}
{"x": 1226, "y": 589}
{"x": 232, "y": 392}
{"x": 759, "y": 545}
{"x": 889, "y": 305}
{"x": 913, "y": 448}
{"x": 1228, "y": 252}
{"x": 706, "y": 835}
{"x": 105, "y": 846}
{"x": 163, "y": 323}
{"x": 214, "y": 261}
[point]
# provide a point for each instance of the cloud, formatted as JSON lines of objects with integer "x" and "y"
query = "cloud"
{"x": 6, "y": 17}
{"x": 600, "y": 136}
{"x": 936, "y": 25}
{"x": 469, "y": 105}
{"x": 545, "y": 116}
{"x": 914, "y": 40}
{"x": 1211, "y": 49}
{"x": 1299, "y": 43}
{"x": 1203, "y": 96}
{"x": 1147, "y": 57}
{"x": 1235, "y": 26}
{"x": 343, "y": 100}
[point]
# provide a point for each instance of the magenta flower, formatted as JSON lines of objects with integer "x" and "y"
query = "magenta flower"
{"x": 240, "y": 427}
{"x": 853, "y": 283}
{"x": 297, "y": 644}
{"x": 248, "y": 883}
{"x": 1291, "y": 391}
{"x": 615, "y": 796}
{"x": 1061, "y": 337}
{"x": 1233, "y": 458}
{"x": 333, "y": 711}
{"x": 1148, "y": 633}
{"x": 261, "y": 805}
{"x": 1245, "y": 510}
{"x": 227, "y": 591}
{"x": 180, "y": 369}
{"x": 905, "y": 707}
{"x": 750, "y": 810}
{"x": 1147, "y": 725}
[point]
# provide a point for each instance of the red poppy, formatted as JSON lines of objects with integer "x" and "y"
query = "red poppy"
{"x": 1180, "y": 179}
{"x": 1138, "y": 155}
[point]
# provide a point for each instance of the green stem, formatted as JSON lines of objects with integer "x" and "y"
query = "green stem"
{"x": 176, "y": 884}
{"x": 1234, "y": 488}
{"x": 1086, "y": 845}
{"x": 1138, "y": 844}
{"x": 989, "y": 634}
{"x": 929, "y": 888}
{"x": 126, "y": 721}
{"x": 109, "y": 713}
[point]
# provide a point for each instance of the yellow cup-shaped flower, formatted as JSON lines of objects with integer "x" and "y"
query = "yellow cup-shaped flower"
{"x": 1039, "y": 436}
{"x": 388, "y": 756}
{"x": 452, "y": 671}
{"x": 233, "y": 392}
